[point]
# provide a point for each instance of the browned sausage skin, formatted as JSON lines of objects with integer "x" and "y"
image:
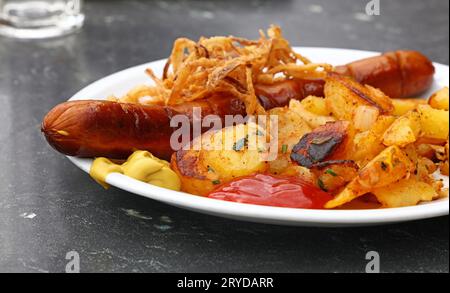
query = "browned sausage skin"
{"x": 279, "y": 93}
{"x": 91, "y": 128}
{"x": 398, "y": 74}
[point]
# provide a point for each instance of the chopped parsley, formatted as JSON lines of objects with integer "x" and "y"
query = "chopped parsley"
{"x": 284, "y": 148}
{"x": 240, "y": 144}
{"x": 259, "y": 133}
{"x": 321, "y": 184}
{"x": 331, "y": 172}
{"x": 215, "y": 182}
{"x": 384, "y": 166}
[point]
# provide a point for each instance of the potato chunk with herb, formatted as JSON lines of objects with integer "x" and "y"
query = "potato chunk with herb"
{"x": 389, "y": 166}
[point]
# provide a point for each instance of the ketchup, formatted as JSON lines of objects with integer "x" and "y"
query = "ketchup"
{"x": 270, "y": 190}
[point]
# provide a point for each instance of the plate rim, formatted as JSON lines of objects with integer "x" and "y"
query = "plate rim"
{"x": 258, "y": 213}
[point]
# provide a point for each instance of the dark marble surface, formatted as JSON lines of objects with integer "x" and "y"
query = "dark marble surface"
{"x": 114, "y": 231}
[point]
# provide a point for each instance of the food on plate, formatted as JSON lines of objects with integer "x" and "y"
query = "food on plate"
{"x": 278, "y": 93}
{"x": 308, "y": 135}
{"x": 332, "y": 175}
{"x": 343, "y": 95}
{"x": 290, "y": 126}
{"x": 213, "y": 159}
{"x": 315, "y": 105}
{"x": 141, "y": 165}
{"x": 397, "y": 74}
{"x": 391, "y": 165}
{"x": 91, "y": 128}
{"x": 325, "y": 143}
{"x": 404, "y": 130}
{"x": 439, "y": 100}
{"x": 405, "y": 192}
{"x": 246, "y": 72}
{"x": 271, "y": 190}
{"x": 433, "y": 124}
{"x": 367, "y": 144}
{"x": 314, "y": 120}
{"x": 402, "y": 106}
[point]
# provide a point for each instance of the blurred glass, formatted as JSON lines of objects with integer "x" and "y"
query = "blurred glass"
{"x": 37, "y": 19}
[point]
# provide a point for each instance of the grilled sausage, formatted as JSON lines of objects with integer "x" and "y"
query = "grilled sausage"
{"x": 279, "y": 93}
{"x": 398, "y": 74}
{"x": 90, "y": 128}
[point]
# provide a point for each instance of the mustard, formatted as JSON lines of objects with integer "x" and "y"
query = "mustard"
{"x": 141, "y": 165}
{"x": 101, "y": 167}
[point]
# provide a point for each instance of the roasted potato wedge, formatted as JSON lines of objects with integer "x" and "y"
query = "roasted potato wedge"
{"x": 424, "y": 168}
{"x": 214, "y": 158}
{"x": 406, "y": 192}
{"x": 389, "y": 166}
{"x": 403, "y": 106}
{"x": 311, "y": 118}
{"x": 368, "y": 144}
{"x": 343, "y": 95}
{"x": 299, "y": 171}
{"x": 333, "y": 175}
{"x": 433, "y": 124}
{"x": 291, "y": 127}
{"x": 439, "y": 100}
{"x": 331, "y": 141}
{"x": 316, "y": 105}
{"x": 404, "y": 130}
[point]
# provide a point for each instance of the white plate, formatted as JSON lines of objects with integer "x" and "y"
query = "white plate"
{"x": 119, "y": 83}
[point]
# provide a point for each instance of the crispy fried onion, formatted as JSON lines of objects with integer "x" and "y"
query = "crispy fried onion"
{"x": 230, "y": 65}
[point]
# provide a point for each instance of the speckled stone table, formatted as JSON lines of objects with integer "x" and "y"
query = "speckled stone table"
{"x": 49, "y": 207}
